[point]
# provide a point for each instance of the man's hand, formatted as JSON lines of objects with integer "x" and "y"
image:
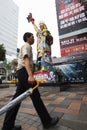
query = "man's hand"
{"x": 31, "y": 80}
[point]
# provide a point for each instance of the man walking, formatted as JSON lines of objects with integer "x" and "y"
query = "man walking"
{"x": 26, "y": 81}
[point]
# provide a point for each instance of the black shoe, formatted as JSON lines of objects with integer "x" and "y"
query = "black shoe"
{"x": 17, "y": 127}
{"x": 53, "y": 122}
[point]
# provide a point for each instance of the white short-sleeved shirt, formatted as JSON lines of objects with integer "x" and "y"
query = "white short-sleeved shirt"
{"x": 26, "y": 49}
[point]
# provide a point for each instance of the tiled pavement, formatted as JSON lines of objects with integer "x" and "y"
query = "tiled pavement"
{"x": 70, "y": 105}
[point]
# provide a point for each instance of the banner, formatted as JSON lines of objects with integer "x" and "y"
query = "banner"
{"x": 45, "y": 77}
{"x": 74, "y": 44}
{"x": 71, "y": 15}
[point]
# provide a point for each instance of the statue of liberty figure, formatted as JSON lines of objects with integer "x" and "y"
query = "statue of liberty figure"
{"x": 44, "y": 42}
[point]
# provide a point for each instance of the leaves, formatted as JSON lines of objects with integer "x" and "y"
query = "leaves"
{"x": 2, "y": 52}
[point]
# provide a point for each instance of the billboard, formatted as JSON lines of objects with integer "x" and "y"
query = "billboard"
{"x": 45, "y": 77}
{"x": 74, "y": 44}
{"x": 72, "y": 26}
{"x": 71, "y": 15}
{"x": 75, "y": 72}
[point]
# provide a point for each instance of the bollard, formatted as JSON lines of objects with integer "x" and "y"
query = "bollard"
{"x": 17, "y": 100}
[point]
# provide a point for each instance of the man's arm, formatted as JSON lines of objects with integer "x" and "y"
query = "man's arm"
{"x": 29, "y": 69}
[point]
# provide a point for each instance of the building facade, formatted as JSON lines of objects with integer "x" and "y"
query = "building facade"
{"x": 72, "y": 27}
{"x": 72, "y": 24}
{"x": 9, "y": 26}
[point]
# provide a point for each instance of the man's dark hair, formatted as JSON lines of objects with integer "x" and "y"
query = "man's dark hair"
{"x": 26, "y": 35}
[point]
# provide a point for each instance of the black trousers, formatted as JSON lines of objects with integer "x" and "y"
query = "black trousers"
{"x": 40, "y": 108}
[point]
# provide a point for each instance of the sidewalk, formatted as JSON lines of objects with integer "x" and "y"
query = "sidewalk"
{"x": 70, "y": 105}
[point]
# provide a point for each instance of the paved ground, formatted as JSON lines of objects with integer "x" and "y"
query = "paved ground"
{"x": 70, "y": 105}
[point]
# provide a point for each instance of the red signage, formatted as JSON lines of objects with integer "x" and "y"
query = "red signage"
{"x": 74, "y": 44}
{"x": 73, "y": 50}
{"x": 45, "y": 77}
{"x": 74, "y": 40}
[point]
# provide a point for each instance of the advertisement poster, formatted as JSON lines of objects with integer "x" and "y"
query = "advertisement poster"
{"x": 74, "y": 44}
{"x": 71, "y": 15}
{"x": 45, "y": 77}
{"x": 73, "y": 72}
